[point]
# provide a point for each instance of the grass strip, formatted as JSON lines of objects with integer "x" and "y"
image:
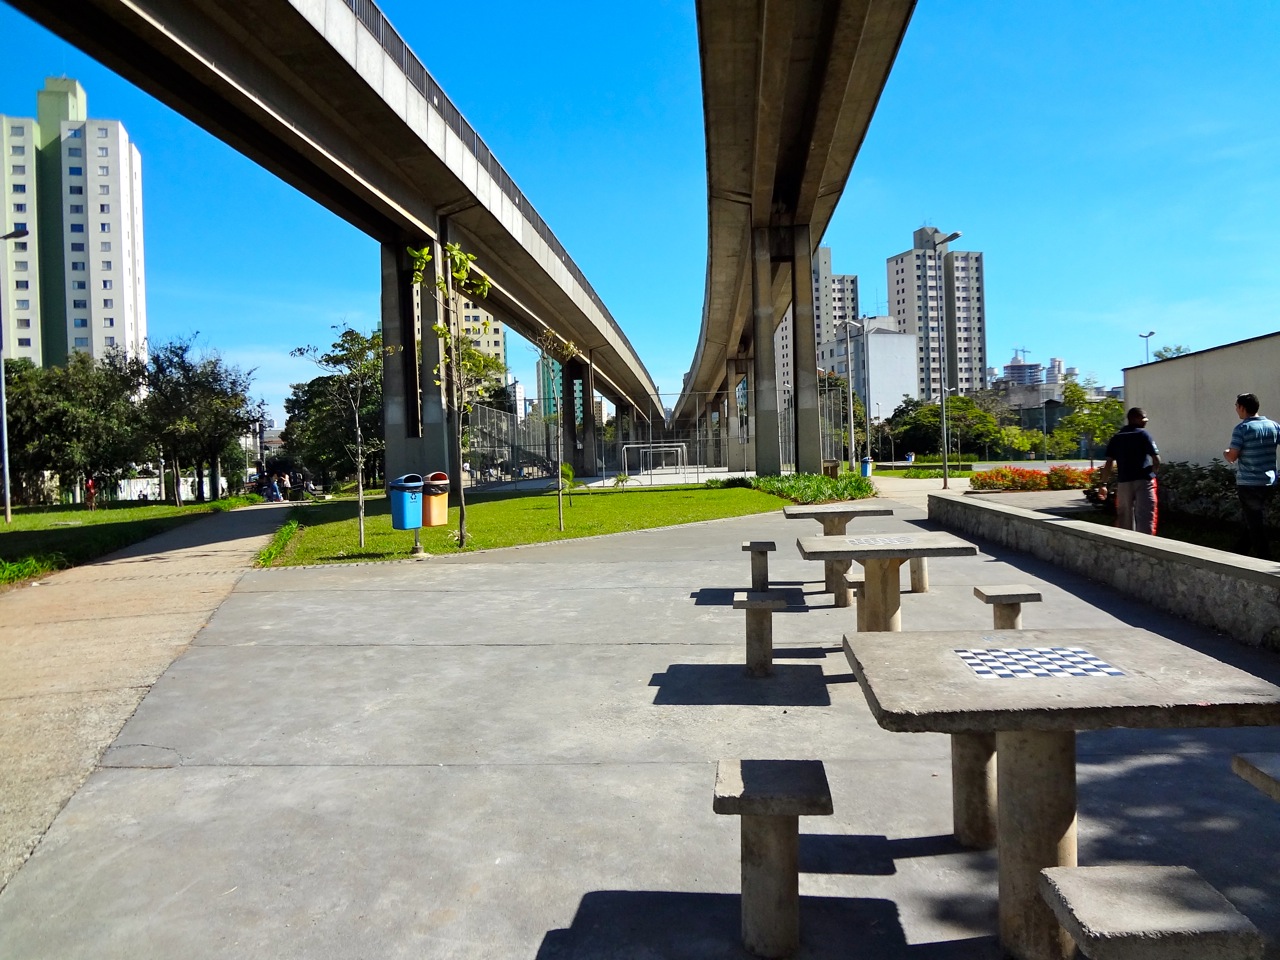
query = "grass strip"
{"x": 268, "y": 554}
{"x": 328, "y": 529}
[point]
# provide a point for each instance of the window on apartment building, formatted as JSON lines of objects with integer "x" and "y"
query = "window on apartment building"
{"x": 106, "y": 284}
{"x": 108, "y": 321}
{"x": 75, "y": 134}
{"x": 75, "y": 208}
{"x": 77, "y": 248}
{"x": 108, "y": 303}
{"x": 80, "y": 322}
{"x": 74, "y": 152}
{"x": 18, "y": 169}
{"x": 103, "y": 151}
{"x": 77, "y": 266}
{"x": 79, "y": 304}
{"x": 104, "y": 246}
{"x": 109, "y": 341}
{"x": 77, "y": 228}
{"x": 75, "y": 171}
{"x": 104, "y": 171}
{"x": 102, "y": 133}
{"x": 19, "y": 208}
{"x": 104, "y": 208}
{"x": 24, "y": 341}
{"x": 22, "y": 305}
{"x": 82, "y": 343}
{"x": 78, "y": 285}
{"x": 76, "y": 191}
{"x": 19, "y": 188}
{"x": 21, "y": 284}
{"x": 103, "y": 189}
{"x": 19, "y": 266}
{"x": 24, "y": 323}
{"x": 106, "y": 264}
{"x": 20, "y": 246}
{"x": 17, "y": 150}
{"x": 104, "y": 228}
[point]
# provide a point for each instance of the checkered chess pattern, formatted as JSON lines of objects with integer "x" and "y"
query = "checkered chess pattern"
{"x": 1020, "y": 662}
{"x": 879, "y": 541}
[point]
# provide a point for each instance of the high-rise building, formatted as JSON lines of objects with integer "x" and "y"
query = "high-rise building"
{"x": 883, "y": 360}
{"x": 78, "y": 281}
{"x": 835, "y": 298}
{"x": 486, "y": 333}
{"x": 937, "y": 295}
{"x": 1020, "y": 371}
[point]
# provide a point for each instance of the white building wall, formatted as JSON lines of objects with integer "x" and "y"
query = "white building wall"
{"x": 1191, "y": 399}
{"x": 19, "y": 262}
{"x": 890, "y": 361}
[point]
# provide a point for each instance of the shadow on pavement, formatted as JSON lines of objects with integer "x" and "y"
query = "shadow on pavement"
{"x": 719, "y": 684}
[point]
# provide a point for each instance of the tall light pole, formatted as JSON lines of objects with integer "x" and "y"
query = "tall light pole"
{"x": 1146, "y": 342}
{"x": 848, "y": 383}
{"x": 942, "y": 353}
{"x": 4, "y": 409}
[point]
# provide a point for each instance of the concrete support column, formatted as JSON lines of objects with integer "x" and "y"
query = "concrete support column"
{"x": 711, "y": 459}
{"x": 736, "y": 454}
{"x": 413, "y": 406}
{"x": 764, "y": 393}
{"x": 919, "y": 574}
{"x": 804, "y": 355}
{"x": 770, "y": 884}
{"x": 569, "y": 416}
{"x": 973, "y": 789}
{"x": 590, "y": 429}
{"x": 1036, "y": 780}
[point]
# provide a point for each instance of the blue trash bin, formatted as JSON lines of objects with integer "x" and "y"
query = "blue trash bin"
{"x": 867, "y": 464}
{"x": 406, "y": 502}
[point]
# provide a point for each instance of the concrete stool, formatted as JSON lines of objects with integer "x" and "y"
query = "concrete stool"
{"x": 1261, "y": 770}
{"x": 759, "y": 550}
{"x": 856, "y": 585}
{"x": 1147, "y": 913}
{"x": 759, "y": 607}
{"x": 771, "y": 796}
{"x": 1006, "y": 601}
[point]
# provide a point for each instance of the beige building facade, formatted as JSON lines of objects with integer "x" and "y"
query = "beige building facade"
{"x": 1191, "y": 399}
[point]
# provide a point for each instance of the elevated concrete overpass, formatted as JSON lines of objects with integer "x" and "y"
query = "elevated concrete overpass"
{"x": 326, "y": 95}
{"x": 789, "y": 89}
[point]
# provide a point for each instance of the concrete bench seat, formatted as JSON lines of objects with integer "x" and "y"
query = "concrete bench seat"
{"x": 1130, "y": 912}
{"x": 770, "y": 796}
{"x": 1006, "y": 603}
{"x": 1261, "y": 770}
{"x": 759, "y": 607}
{"x": 759, "y": 550}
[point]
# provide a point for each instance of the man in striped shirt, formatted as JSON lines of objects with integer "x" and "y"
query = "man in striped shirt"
{"x": 1253, "y": 451}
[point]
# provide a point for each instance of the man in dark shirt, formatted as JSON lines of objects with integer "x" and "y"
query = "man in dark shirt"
{"x": 1136, "y": 460}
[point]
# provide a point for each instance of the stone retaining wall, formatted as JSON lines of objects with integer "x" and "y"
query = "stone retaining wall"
{"x": 1239, "y": 596}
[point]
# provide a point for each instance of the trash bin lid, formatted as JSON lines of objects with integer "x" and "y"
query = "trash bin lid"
{"x": 410, "y": 481}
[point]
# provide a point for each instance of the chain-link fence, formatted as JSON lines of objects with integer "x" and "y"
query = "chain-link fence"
{"x": 500, "y": 446}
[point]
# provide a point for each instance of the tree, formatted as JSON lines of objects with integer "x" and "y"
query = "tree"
{"x": 1169, "y": 352}
{"x": 460, "y": 279}
{"x": 1092, "y": 417}
{"x": 353, "y": 374}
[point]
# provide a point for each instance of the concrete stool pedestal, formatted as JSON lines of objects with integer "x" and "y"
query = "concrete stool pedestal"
{"x": 1147, "y": 913}
{"x": 770, "y": 796}
{"x": 759, "y": 608}
{"x": 919, "y": 567}
{"x": 759, "y": 550}
{"x": 856, "y": 586}
{"x": 1006, "y": 603}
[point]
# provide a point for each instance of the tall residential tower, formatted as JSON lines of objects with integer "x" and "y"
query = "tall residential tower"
{"x": 77, "y": 281}
{"x": 937, "y": 295}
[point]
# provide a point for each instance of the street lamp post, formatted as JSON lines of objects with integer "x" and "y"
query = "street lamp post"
{"x": 4, "y": 408}
{"x": 1146, "y": 342}
{"x": 942, "y": 352}
{"x": 848, "y": 383}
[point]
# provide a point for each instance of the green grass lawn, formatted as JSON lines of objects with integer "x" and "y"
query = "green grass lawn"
{"x": 327, "y": 530}
{"x": 43, "y": 539}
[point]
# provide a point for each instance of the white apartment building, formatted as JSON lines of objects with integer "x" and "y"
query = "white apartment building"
{"x": 835, "y": 298}
{"x": 937, "y": 295}
{"x": 77, "y": 282}
{"x": 486, "y": 333}
{"x": 884, "y": 363}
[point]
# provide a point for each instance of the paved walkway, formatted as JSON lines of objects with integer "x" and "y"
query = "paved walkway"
{"x": 512, "y": 754}
{"x": 79, "y": 648}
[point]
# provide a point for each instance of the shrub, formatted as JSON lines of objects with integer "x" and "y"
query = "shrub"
{"x": 1009, "y": 478}
{"x": 1069, "y": 478}
{"x": 920, "y": 473}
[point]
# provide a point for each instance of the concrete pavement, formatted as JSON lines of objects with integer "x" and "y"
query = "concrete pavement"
{"x": 512, "y": 754}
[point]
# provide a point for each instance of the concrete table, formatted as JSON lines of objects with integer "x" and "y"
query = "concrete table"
{"x": 1035, "y": 699}
{"x": 835, "y": 518}
{"x": 882, "y": 557}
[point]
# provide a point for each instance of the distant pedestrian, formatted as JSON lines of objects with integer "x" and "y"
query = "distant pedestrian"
{"x": 1253, "y": 451}
{"x": 286, "y": 486}
{"x": 1133, "y": 452}
{"x": 91, "y": 493}
{"x": 273, "y": 489}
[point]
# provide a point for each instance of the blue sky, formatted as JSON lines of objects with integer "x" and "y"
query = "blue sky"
{"x": 1116, "y": 162}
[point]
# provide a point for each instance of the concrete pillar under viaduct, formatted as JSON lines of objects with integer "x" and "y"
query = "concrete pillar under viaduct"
{"x": 768, "y": 453}
{"x": 590, "y": 429}
{"x": 804, "y": 355}
{"x": 735, "y": 442}
{"x": 413, "y": 405}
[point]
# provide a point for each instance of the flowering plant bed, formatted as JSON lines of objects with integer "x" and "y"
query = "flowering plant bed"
{"x": 1020, "y": 478}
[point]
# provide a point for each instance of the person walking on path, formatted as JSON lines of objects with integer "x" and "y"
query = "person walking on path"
{"x": 1253, "y": 451}
{"x": 1133, "y": 452}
